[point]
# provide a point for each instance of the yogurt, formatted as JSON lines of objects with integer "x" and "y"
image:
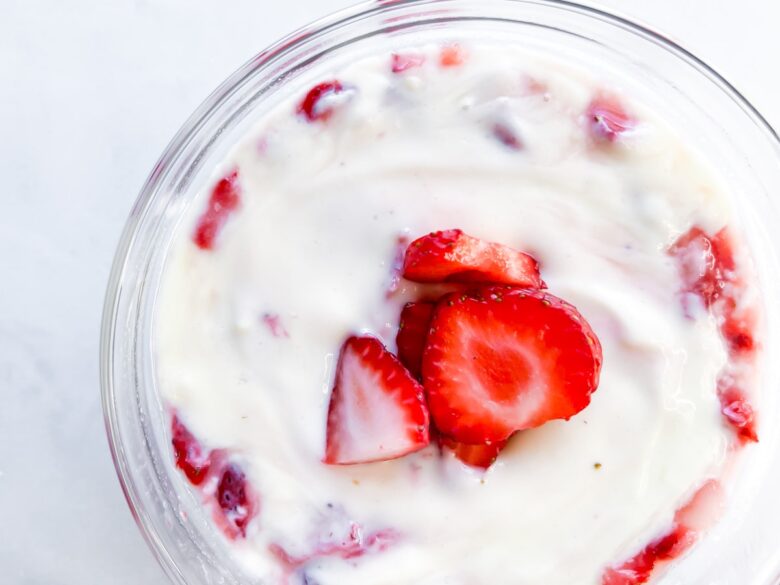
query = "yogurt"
{"x": 503, "y": 145}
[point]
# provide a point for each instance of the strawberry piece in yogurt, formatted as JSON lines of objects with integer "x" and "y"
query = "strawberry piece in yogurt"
{"x": 236, "y": 503}
{"x": 225, "y": 199}
{"x": 708, "y": 271}
{"x": 354, "y": 544}
{"x": 401, "y": 62}
{"x": 507, "y": 136}
{"x": 639, "y": 568}
{"x": 318, "y": 104}
{"x": 377, "y": 409}
{"x": 188, "y": 453}
{"x": 607, "y": 119}
{"x": 452, "y": 256}
{"x": 736, "y": 409}
{"x": 488, "y": 371}
{"x": 412, "y": 333}
{"x": 690, "y": 521}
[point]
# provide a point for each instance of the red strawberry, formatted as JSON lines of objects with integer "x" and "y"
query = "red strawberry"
{"x": 500, "y": 360}
{"x": 412, "y": 331}
{"x": 190, "y": 457}
{"x": 607, "y": 119}
{"x": 377, "y": 409}
{"x": 235, "y": 502}
{"x": 225, "y": 198}
{"x": 452, "y": 256}
{"x": 312, "y": 108}
{"x": 639, "y": 569}
{"x": 736, "y": 409}
{"x": 708, "y": 269}
{"x": 482, "y": 456}
{"x": 402, "y": 62}
{"x": 706, "y": 263}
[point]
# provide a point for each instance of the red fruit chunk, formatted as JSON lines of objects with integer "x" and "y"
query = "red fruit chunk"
{"x": 452, "y": 256}
{"x": 404, "y": 62}
{"x": 737, "y": 410}
{"x": 354, "y": 545}
{"x": 706, "y": 264}
{"x": 189, "y": 455}
{"x": 638, "y": 569}
{"x": 234, "y": 500}
{"x": 225, "y": 198}
{"x": 501, "y": 360}
{"x": 507, "y": 137}
{"x": 412, "y": 332}
{"x": 482, "y": 456}
{"x": 708, "y": 270}
{"x": 451, "y": 56}
{"x": 377, "y": 409}
{"x": 607, "y": 119}
{"x": 737, "y": 334}
{"x": 312, "y": 108}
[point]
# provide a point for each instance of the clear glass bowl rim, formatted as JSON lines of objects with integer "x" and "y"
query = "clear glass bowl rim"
{"x": 291, "y": 42}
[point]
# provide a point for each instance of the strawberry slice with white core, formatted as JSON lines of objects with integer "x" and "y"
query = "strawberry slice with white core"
{"x": 452, "y": 256}
{"x": 499, "y": 360}
{"x": 377, "y": 409}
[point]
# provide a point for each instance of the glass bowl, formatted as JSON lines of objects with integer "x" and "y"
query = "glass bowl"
{"x": 742, "y": 548}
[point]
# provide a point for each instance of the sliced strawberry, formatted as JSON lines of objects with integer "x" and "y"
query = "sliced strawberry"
{"x": 607, "y": 119}
{"x": 639, "y": 568}
{"x": 225, "y": 198}
{"x": 705, "y": 263}
{"x": 452, "y": 256}
{"x": 500, "y": 360}
{"x": 377, "y": 409}
{"x": 482, "y": 456}
{"x": 190, "y": 457}
{"x": 313, "y": 108}
{"x": 236, "y": 504}
{"x": 707, "y": 268}
{"x": 404, "y": 61}
{"x": 412, "y": 332}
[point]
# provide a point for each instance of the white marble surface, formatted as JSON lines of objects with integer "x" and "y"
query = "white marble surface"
{"x": 90, "y": 93}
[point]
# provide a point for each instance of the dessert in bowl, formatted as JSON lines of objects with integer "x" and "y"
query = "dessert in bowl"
{"x": 457, "y": 309}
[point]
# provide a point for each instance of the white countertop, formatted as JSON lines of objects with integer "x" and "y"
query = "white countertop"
{"x": 90, "y": 94}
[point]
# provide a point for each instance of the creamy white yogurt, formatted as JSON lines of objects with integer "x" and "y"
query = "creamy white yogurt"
{"x": 323, "y": 205}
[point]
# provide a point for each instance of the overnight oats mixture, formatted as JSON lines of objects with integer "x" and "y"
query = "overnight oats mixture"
{"x": 459, "y": 315}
